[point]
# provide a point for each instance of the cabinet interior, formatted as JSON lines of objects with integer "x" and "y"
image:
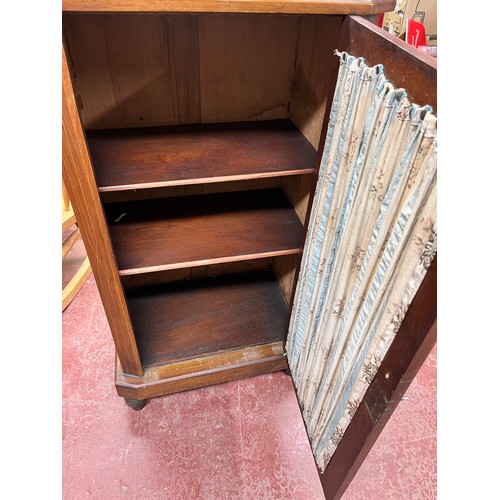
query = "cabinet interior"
{"x": 207, "y": 249}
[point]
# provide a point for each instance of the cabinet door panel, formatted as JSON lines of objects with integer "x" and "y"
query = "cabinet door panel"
{"x": 417, "y": 332}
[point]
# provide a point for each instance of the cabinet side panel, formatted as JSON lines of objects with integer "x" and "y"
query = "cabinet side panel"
{"x": 246, "y": 66}
{"x": 79, "y": 179}
{"x": 318, "y": 38}
{"x": 284, "y": 269}
{"x": 297, "y": 189}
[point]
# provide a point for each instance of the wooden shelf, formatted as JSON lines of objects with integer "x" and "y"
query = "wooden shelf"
{"x": 150, "y": 157}
{"x": 173, "y": 233}
{"x": 190, "y": 319}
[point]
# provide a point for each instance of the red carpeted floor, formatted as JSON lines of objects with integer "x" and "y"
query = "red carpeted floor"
{"x": 239, "y": 440}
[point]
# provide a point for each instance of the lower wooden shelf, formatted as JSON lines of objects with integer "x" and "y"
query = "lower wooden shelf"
{"x": 201, "y": 332}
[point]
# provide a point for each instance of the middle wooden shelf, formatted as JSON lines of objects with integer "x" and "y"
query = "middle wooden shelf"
{"x": 173, "y": 233}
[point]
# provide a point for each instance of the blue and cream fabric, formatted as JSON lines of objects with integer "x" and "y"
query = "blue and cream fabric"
{"x": 370, "y": 241}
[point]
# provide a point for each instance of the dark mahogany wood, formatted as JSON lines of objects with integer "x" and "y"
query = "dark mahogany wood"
{"x": 228, "y": 329}
{"x": 160, "y": 234}
{"x": 181, "y": 155}
{"x": 189, "y": 319}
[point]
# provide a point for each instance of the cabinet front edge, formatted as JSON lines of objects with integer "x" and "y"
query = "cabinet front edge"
{"x": 329, "y": 7}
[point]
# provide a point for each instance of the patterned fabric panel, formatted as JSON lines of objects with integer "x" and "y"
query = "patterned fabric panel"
{"x": 371, "y": 239}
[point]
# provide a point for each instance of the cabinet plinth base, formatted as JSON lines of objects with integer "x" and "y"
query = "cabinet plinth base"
{"x": 199, "y": 372}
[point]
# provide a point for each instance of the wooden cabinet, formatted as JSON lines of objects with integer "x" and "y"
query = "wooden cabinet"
{"x": 201, "y": 138}
{"x": 192, "y": 134}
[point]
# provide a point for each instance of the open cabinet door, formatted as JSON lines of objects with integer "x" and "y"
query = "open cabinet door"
{"x": 416, "y": 72}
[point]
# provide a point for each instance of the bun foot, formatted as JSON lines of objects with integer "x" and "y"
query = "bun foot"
{"x": 136, "y": 404}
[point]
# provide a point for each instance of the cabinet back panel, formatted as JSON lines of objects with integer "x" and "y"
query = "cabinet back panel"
{"x": 160, "y": 69}
{"x": 89, "y": 64}
{"x": 246, "y": 66}
{"x": 199, "y": 272}
{"x": 283, "y": 268}
{"x": 173, "y": 191}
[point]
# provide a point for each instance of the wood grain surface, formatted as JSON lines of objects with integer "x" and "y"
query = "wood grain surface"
{"x": 169, "y": 69}
{"x": 155, "y": 235}
{"x": 362, "y": 7}
{"x": 193, "y": 373}
{"x": 79, "y": 179}
{"x": 185, "y": 320}
{"x": 127, "y": 159}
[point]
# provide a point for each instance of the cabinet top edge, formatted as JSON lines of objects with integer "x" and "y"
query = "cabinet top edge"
{"x": 329, "y": 7}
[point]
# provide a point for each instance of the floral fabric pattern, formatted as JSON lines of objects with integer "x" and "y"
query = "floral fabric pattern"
{"x": 372, "y": 236}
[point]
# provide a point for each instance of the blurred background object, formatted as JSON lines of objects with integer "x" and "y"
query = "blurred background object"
{"x": 422, "y": 11}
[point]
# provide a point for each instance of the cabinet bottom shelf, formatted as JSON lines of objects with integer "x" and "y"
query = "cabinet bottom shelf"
{"x": 202, "y": 332}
